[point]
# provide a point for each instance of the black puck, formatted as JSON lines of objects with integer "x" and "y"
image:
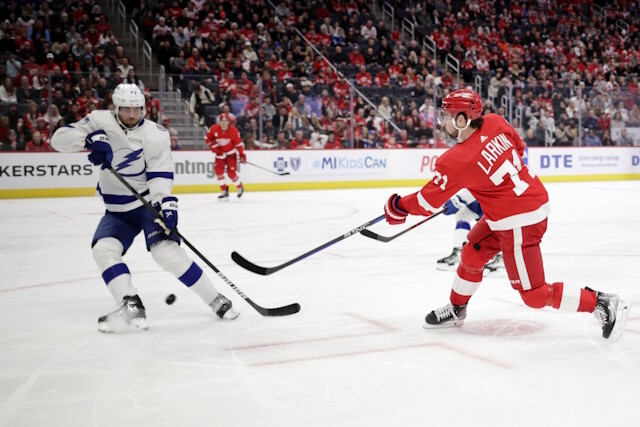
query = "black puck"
{"x": 170, "y": 299}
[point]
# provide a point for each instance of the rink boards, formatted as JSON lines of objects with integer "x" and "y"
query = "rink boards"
{"x": 70, "y": 174}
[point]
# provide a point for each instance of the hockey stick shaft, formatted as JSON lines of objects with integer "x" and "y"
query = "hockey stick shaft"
{"x": 243, "y": 262}
{"x": 279, "y": 311}
{"x": 370, "y": 234}
{"x": 268, "y": 170}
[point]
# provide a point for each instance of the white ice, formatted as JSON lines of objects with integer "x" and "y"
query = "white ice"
{"x": 355, "y": 355}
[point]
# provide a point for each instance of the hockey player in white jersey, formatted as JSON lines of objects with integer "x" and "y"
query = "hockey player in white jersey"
{"x": 466, "y": 210}
{"x": 139, "y": 149}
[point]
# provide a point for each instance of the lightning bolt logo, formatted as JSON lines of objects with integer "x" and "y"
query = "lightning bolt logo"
{"x": 129, "y": 158}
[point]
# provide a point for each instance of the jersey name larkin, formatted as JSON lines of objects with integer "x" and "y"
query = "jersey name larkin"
{"x": 492, "y": 151}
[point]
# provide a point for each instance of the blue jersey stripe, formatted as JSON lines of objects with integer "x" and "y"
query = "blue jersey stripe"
{"x": 151, "y": 175}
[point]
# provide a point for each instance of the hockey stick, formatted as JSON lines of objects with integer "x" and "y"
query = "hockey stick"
{"x": 268, "y": 170}
{"x": 265, "y": 271}
{"x": 370, "y": 234}
{"x": 278, "y": 311}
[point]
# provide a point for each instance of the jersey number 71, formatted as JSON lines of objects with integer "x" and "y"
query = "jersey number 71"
{"x": 512, "y": 169}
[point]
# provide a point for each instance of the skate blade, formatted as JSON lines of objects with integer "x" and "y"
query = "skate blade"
{"x": 446, "y": 267}
{"x": 117, "y": 324}
{"x": 231, "y": 314}
{"x": 458, "y": 322}
{"x": 621, "y": 319}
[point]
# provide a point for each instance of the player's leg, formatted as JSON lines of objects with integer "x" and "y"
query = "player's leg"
{"x": 468, "y": 276}
{"x": 218, "y": 167}
{"x": 524, "y": 265}
{"x": 169, "y": 255}
{"x": 232, "y": 171}
{"x": 111, "y": 240}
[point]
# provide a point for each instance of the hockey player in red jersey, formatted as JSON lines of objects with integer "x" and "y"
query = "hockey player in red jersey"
{"x": 487, "y": 160}
{"x": 224, "y": 141}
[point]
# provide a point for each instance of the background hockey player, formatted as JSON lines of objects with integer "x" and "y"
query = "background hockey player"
{"x": 487, "y": 160}
{"x": 467, "y": 210}
{"x": 139, "y": 150}
{"x": 224, "y": 141}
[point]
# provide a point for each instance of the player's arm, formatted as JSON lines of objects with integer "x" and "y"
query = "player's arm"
{"x": 73, "y": 137}
{"x": 157, "y": 155}
{"x": 85, "y": 134}
{"x": 424, "y": 202}
{"x": 237, "y": 141}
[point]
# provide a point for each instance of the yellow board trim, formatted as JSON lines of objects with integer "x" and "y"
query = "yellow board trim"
{"x": 290, "y": 186}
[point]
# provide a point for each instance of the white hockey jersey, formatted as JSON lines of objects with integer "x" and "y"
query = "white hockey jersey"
{"x": 142, "y": 155}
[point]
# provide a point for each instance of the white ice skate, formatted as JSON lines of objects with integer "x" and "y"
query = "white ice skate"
{"x": 130, "y": 312}
{"x": 223, "y": 308}
{"x": 450, "y": 262}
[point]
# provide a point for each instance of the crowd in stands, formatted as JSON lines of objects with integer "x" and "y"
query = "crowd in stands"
{"x": 58, "y": 61}
{"x": 235, "y": 54}
{"x": 569, "y": 74}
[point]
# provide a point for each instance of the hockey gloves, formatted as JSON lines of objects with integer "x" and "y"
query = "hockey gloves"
{"x": 392, "y": 212}
{"x": 101, "y": 153}
{"x": 169, "y": 211}
{"x": 243, "y": 158}
{"x": 453, "y": 205}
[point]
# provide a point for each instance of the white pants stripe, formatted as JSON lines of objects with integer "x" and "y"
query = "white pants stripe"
{"x": 464, "y": 287}
{"x": 519, "y": 259}
{"x": 570, "y": 298}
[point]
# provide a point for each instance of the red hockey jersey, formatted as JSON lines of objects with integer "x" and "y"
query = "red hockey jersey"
{"x": 489, "y": 164}
{"x": 224, "y": 143}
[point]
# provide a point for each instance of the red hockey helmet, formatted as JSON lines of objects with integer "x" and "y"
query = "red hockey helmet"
{"x": 465, "y": 101}
{"x": 223, "y": 116}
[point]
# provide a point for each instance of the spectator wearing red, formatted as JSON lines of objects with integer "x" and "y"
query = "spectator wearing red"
{"x": 333, "y": 143}
{"x": 382, "y": 78}
{"x": 299, "y": 142}
{"x": 37, "y": 143}
{"x": 355, "y": 57}
{"x": 363, "y": 78}
{"x": 245, "y": 86}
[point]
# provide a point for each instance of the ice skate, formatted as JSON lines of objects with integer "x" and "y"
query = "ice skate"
{"x": 446, "y": 317}
{"x": 130, "y": 312}
{"x": 223, "y": 308}
{"x": 450, "y": 262}
{"x": 224, "y": 195}
{"x": 494, "y": 265}
{"x": 240, "y": 191}
{"x": 612, "y": 314}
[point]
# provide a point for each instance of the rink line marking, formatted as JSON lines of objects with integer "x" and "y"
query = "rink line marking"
{"x": 385, "y": 330}
{"x": 373, "y": 322}
{"x": 65, "y": 282}
{"x": 384, "y": 350}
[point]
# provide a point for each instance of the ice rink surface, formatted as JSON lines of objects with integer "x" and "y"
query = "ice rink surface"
{"x": 355, "y": 355}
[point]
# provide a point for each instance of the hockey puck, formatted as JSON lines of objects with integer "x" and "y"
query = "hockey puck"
{"x": 170, "y": 299}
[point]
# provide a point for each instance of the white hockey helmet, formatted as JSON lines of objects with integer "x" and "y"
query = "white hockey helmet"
{"x": 128, "y": 95}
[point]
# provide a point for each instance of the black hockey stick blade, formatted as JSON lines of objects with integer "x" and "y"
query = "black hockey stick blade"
{"x": 278, "y": 311}
{"x": 265, "y": 271}
{"x": 370, "y": 234}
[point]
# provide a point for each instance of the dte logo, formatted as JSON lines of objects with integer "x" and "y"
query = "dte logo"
{"x": 635, "y": 160}
{"x": 556, "y": 161}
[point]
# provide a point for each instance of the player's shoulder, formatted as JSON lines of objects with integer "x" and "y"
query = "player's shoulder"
{"x": 152, "y": 128}
{"x": 101, "y": 117}
{"x": 494, "y": 121}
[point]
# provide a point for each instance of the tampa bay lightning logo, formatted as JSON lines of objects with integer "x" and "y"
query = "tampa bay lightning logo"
{"x": 130, "y": 164}
{"x": 280, "y": 164}
{"x": 295, "y": 163}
